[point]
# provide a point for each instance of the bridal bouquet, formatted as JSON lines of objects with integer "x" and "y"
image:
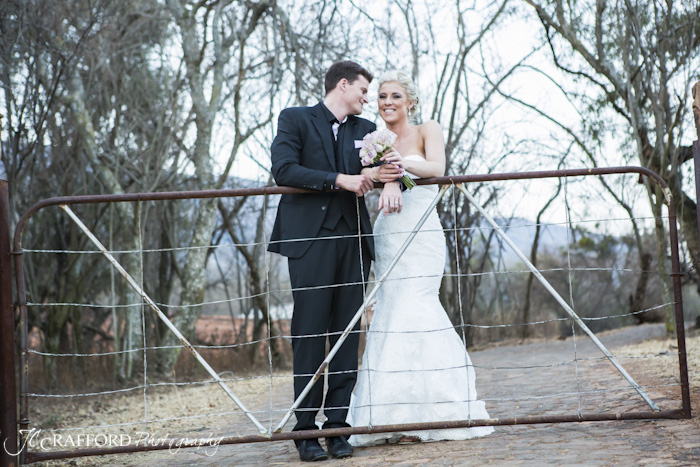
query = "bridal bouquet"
{"x": 375, "y": 145}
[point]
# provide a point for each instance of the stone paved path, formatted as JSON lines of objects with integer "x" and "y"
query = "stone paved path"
{"x": 658, "y": 443}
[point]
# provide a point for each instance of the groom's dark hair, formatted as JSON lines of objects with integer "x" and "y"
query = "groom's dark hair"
{"x": 345, "y": 69}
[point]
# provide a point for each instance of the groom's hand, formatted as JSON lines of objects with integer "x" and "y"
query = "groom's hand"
{"x": 358, "y": 184}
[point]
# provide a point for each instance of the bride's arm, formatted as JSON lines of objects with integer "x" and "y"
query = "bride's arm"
{"x": 391, "y": 199}
{"x": 434, "y": 146}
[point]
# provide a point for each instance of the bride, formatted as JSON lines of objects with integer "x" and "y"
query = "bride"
{"x": 415, "y": 367}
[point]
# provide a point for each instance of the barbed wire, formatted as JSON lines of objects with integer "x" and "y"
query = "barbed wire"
{"x": 344, "y": 284}
{"x": 373, "y": 370}
{"x": 260, "y": 341}
{"x": 265, "y": 243}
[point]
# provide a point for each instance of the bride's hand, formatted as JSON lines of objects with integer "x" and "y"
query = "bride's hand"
{"x": 391, "y": 200}
{"x": 393, "y": 157}
{"x": 392, "y": 168}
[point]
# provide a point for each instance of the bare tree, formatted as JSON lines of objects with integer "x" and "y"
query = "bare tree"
{"x": 636, "y": 59}
{"x": 219, "y": 59}
{"x": 71, "y": 133}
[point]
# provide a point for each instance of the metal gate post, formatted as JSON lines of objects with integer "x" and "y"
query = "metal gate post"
{"x": 696, "y": 152}
{"x": 8, "y": 379}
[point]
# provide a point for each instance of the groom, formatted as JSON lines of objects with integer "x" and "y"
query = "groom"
{"x": 317, "y": 148}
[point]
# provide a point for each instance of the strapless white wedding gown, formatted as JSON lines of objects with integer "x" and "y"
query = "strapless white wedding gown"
{"x": 415, "y": 367}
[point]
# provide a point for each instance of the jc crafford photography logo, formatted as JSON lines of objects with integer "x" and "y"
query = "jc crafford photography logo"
{"x": 35, "y": 439}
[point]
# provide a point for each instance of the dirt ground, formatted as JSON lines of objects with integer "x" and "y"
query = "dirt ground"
{"x": 514, "y": 380}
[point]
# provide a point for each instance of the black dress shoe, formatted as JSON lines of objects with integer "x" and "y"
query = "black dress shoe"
{"x": 310, "y": 450}
{"x": 339, "y": 447}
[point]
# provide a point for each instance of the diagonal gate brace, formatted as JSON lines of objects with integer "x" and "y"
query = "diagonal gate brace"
{"x": 165, "y": 319}
{"x": 361, "y": 310}
{"x": 558, "y": 298}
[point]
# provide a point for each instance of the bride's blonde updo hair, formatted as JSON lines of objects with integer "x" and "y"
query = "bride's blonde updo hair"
{"x": 401, "y": 78}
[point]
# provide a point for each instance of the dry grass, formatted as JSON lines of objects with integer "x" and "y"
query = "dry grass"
{"x": 199, "y": 411}
{"x": 175, "y": 405}
{"x": 668, "y": 368}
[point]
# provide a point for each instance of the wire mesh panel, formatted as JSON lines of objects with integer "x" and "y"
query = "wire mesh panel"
{"x": 140, "y": 353}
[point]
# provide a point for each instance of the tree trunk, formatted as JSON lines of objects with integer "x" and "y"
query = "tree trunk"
{"x": 661, "y": 256}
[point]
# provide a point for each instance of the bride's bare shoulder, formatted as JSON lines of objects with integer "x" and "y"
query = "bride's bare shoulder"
{"x": 430, "y": 128}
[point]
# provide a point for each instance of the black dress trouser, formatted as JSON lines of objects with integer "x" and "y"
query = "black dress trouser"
{"x": 319, "y": 310}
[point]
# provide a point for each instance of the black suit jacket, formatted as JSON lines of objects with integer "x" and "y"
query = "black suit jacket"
{"x": 303, "y": 157}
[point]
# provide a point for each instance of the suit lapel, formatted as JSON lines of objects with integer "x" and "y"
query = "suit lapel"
{"x": 321, "y": 125}
{"x": 348, "y": 142}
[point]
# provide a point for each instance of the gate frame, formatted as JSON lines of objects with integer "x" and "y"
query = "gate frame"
{"x": 7, "y": 370}
{"x": 8, "y": 382}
